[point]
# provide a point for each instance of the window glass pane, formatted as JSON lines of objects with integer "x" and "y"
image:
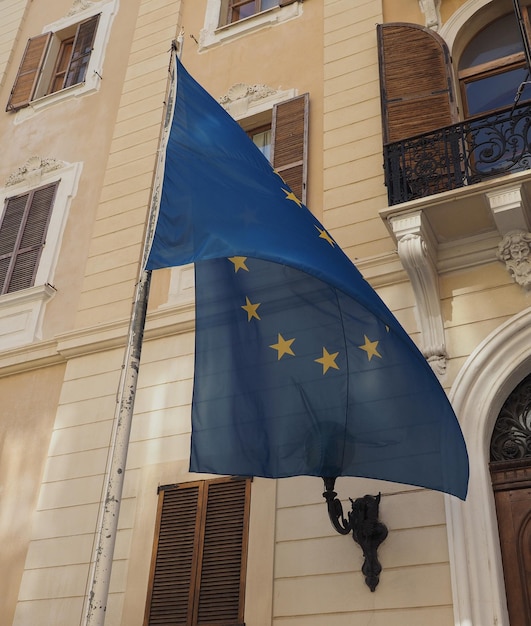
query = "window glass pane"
{"x": 497, "y": 40}
{"x": 496, "y": 91}
{"x": 269, "y": 4}
{"x": 243, "y": 10}
{"x": 263, "y": 141}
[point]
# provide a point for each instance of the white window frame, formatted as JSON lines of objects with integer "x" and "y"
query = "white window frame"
{"x": 21, "y": 312}
{"x": 94, "y": 74}
{"x": 212, "y": 34}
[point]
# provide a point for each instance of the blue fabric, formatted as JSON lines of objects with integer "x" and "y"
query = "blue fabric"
{"x": 300, "y": 367}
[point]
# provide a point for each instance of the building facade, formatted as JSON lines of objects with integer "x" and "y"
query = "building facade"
{"x": 412, "y": 148}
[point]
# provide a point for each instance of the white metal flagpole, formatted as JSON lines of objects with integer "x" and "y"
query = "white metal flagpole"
{"x": 97, "y": 596}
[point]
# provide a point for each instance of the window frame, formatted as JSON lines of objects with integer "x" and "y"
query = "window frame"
{"x": 22, "y": 311}
{"x": 215, "y": 32}
{"x": 228, "y": 8}
{"x": 41, "y": 97}
{"x": 498, "y": 66}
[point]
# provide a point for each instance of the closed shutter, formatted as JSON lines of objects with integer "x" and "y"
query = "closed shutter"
{"x": 83, "y": 44}
{"x": 289, "y": 151}
{"x": 22, "y": 236}
{"x": 171, "y": 593}
{"x": 29, "y": 72}
{"x": 198, "y": 568}
{"x": 416, "y": 83}
{"x": 222, "y": 574}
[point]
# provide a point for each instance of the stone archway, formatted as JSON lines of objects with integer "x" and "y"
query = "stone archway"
{"x": 510, "y": 468}
{"x": 489, "y": 375}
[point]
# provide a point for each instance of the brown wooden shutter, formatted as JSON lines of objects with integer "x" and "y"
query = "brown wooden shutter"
{"x": 83, "y": 44}
{"x": 29, "y": 72}
{"x": 221, "y": 576}
{"x": 289, "y": 143}
{"x": 416, "y": 83}
{"x": 170, "y": 594}
{"x": 22, "y": 236}
{"x": 198, "y": 567}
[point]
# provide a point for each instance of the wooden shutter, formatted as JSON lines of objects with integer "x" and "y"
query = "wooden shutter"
{"x": 29, "y": 72}
{"x": 221, "y": 576}
{"x": 289, "y": 149}
{"x": 22, "y": 236}
{"x": 417, "y": 93}
{"x": 83, "y": 44}
{"x": 198, "y": 567}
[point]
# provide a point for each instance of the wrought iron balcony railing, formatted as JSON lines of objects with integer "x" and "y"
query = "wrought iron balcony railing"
{"x": 458, "y": 155}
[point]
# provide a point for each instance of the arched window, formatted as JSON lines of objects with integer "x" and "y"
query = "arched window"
{"x": 492, "y": 67}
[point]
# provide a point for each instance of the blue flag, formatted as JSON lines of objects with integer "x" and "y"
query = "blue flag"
{"x": 300, "y": 368}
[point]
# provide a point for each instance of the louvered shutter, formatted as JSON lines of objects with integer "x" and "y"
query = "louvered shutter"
{"x": 223, "y": 555}
{"x": 416, "y": 83}
{"x": 171, "y": 594}
{"x": 289, "y": 150}
{"x": 198, "y": 568}
{"x": 83, "y": 44}
{"x": 29, "y": 72}
{"x": 22, "y": 236}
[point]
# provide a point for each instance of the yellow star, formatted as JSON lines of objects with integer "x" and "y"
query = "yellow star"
{"x": 324, "y": 235}
{"x": 371, "y": 348}
{"x": 283, "y": 346}
{"x": 328, "y": 361}
{"x": 291, "y": 196}
{"x": 251, "y": 309}
{"x": 239, "y": 263}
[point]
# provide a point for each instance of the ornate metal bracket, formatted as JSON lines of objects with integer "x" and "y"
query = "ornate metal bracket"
{"x": 367, "y": 530}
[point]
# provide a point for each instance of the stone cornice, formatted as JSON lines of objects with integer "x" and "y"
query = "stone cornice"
{"x": 169, "y": 321}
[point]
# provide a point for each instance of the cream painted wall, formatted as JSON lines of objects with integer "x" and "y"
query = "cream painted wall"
{"x": 301, "y": 573}
{"x": 27, "y": 415}
{"x": 12, "y": 16}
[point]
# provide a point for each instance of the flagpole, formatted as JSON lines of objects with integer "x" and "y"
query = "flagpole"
{"x": 97, "y": 596}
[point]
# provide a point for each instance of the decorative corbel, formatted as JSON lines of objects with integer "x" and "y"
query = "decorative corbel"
{"x": 510, "y": 208}
{"x": 431, "y": 9}
{"x": 417, "y": 252}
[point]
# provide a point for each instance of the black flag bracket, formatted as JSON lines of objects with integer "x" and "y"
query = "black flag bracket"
{"x": 367, "y": 530}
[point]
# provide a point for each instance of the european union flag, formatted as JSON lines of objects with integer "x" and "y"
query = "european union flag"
{"x": 300, "y": 369}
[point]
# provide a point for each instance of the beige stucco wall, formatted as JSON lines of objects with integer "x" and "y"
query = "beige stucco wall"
{"x": 29, "y": 402}
{"x": 301, "y": 573}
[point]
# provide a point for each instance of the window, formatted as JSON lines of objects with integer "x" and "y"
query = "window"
{"x": 65, "y": 61}
{"x": 22, "y": 234}
{"x": 200, "y": 554}
{"x": 53, "y": 61}
{"x": 492, "y": 67}
{"x": 262, "y": 140}
{"x": 240, "y": 9}
{"x": 229, "y": 19}
{"x": 34, "y": 207}
{"x": 416, "y": 77}
{"x": 281, "y": 132}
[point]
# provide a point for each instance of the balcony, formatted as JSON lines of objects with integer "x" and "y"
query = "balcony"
{"x": 456, "y": 156}
{"x": 454, "y": 195}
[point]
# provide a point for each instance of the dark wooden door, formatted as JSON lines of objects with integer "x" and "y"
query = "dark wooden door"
{"x": 511, "y": 482}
